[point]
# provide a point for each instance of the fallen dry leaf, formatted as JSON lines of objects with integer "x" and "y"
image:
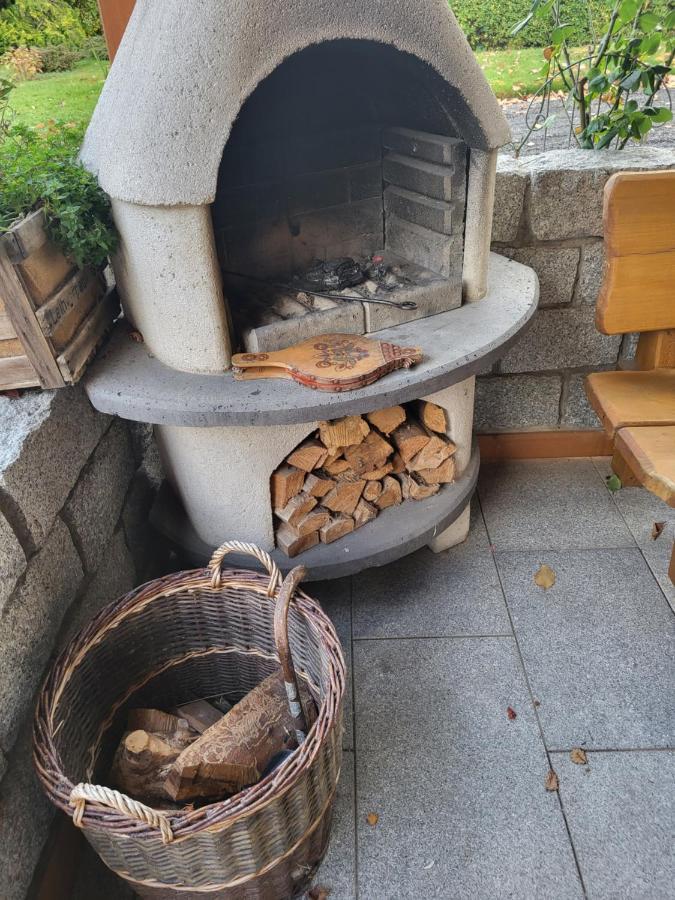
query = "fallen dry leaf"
{"x": 657, "y": 530}
{"x": 578, "y": 757}
{"x": 136, "y": 337}
{"x": 319, "y": 892}
{"x": 551, "y": 783}
{"x": 545, "y": 577}
{"x": 511, "y": 713}
{"x": 372, "y": 819}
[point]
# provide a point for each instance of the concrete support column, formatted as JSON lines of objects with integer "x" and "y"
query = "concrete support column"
{"x": 480, "y": 201}
{"x": 222, "y": 476}
{"x": 170, "y": 284}
{"x": 458, "y": 402}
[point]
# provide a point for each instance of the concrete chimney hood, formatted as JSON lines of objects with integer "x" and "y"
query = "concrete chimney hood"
{"x": 245, "y": 139}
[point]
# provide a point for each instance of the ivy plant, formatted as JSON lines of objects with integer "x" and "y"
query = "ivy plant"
{"x": 39, "y": 168}
{"x": 615, "y": 90}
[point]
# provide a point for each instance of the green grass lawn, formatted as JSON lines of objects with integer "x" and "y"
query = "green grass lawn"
{"x": 67, "y": 96}
{"x": 71, "y": 96}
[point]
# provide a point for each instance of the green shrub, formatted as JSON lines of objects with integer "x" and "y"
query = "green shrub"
{"x": 40, "y": 169}
{"x": 488, "y": 23}
{"x": 39, "y": 23}
{"x": 58, "y": 57}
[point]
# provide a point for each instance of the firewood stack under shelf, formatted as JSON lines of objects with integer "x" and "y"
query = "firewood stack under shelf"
{"x": 350, "y": 470}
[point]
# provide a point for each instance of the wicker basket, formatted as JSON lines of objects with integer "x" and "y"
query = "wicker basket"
{"x": 191, "y": 635}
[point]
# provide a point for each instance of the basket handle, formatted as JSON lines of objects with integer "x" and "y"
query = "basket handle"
{"x": 215, "y": 565}
{"x": 94, "y": 793}
{"x": 286, "y": 594}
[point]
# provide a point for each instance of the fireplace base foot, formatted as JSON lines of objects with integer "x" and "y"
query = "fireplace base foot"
{"x": 456, "y": 534}
{"x": 396, "y": 532}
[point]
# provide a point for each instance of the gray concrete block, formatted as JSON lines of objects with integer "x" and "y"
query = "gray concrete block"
{"x": 396, "y": 679}
{"x": 437, "y": 215}
{"x": 12, "y": 561}
{"x": 140, "y": 536}
{"x": 566, "y": 193}
{"x": 30, "y": 623}
{"x": 435, "y": 148}
{"x": 95, "y": 881}
{"x": 591, "y": 272}
{"x": 542, "y": 504}
{"x": 441, "y": 595}
{"x": 597, "y": 647}
{"x": 3, "y": 765}
{"x": 561, "y": 339}
{"x": 619, "y": 810}
{"x": 629, "y": 346}
{"x": 462, "y": 826}
{"x": 509, "y": 196}
{"x": 437, "y": 296}
{"x": 365, "y": 181}
{"x": 318, "y": 231}
{"x": 25, "y": 819}
{"x": 577, "y": 412}
{"x": 514, "y": 402}
{"x": 47, "y": 438}
{"x": 115, "y": 577}
{"x": 440, "y": 253}
{"x": 96, "y": 503}
{"x": 317, "y": 191}
{"x": 439, "y": 182}
{"x": 556, "y": 268}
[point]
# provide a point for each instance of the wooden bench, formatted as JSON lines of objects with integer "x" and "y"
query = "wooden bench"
{"x": 637, "y": 406}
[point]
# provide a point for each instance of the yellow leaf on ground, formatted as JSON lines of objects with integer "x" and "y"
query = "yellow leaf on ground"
{"x": 551, "y": 783}
{"x": 578, "y": 756}
{"x": 545, "y": 577}
{"x": 372, "y": 819}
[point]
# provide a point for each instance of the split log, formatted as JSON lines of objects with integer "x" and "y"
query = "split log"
{"x": 387, "y": 420}
{"x": 286, "y": 482}
{"x": 372, "y": 491}
{"x": 372, "y": 453}
{"x": 143, "y": 761}
{"x": 344, "y": 496}
{"x": 410, "y": 438}
{"x": 318, "y": 485}
{"x": 397, "y": 464}
{"x": 313, "y": 521}
{"x": 235, "y": 752}
{"x": 432, "y": 455}
{"x": 200, "y": 714}
{"x": 432, "y": 416}
{"x": 293, "y": 543}
{"x": 413, "y": 490}
{"x": 443, "y": 474}
{"x": 343, "y": 432}
{"x": 364, "y": 513}
{"x": 391, "y": 494}
{"x": 338, "y": 527}
{"x": 378, "y": 474}
{"x": 337, "y": 466}
{"x": 156, "y": 721}
{"x": 296, "y": 509}
{"x": 308, "y": 456}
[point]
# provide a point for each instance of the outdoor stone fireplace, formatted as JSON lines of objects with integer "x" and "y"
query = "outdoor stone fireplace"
{"x": 239, "y": 145}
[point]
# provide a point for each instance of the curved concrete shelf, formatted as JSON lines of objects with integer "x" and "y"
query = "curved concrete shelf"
{"x": 126, "y": 381}
{"x": 396, "y": 532}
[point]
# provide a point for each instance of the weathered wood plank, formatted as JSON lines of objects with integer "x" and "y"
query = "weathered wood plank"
{"x": 44, "y": 271}
{"x": 60, "y": 316}
{"x": 74, "y": 358}
{"x": 24, "y": 238}
{"x": 19, "y": 308}
{"x": 17, "y": 372}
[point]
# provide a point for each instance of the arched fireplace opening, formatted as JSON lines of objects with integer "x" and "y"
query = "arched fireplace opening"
{"x": 348, "y": 149}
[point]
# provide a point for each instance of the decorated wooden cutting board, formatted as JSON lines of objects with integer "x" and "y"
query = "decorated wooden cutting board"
{"x": 329, "y": 362}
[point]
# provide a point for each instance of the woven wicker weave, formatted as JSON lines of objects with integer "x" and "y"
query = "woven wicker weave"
{"x": 191, "y": 635}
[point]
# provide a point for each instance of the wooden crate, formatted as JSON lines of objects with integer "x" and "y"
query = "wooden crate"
{"x": 53, "y": 314}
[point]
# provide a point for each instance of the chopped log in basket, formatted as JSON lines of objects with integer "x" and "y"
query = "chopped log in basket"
{"x": 353, "y": 468}
{"x": 52, "y": 314}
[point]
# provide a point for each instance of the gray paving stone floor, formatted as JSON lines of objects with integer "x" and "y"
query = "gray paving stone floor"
{"x": 441, "y": 647}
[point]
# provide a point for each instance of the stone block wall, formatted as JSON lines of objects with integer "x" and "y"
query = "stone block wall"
{"x": 75, "y": 493}
{"x": 548, "y": 215}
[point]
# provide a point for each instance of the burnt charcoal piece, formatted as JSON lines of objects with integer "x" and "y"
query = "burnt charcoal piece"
{"x": 332, "y": 275}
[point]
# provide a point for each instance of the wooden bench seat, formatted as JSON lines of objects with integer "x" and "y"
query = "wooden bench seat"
{"x": 650, "y": 454}
{"x": 633, "y": 398}
{"x": 637, "y": 406}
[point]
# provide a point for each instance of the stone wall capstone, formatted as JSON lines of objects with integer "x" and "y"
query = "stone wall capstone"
{"x": 548, "y": 215}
